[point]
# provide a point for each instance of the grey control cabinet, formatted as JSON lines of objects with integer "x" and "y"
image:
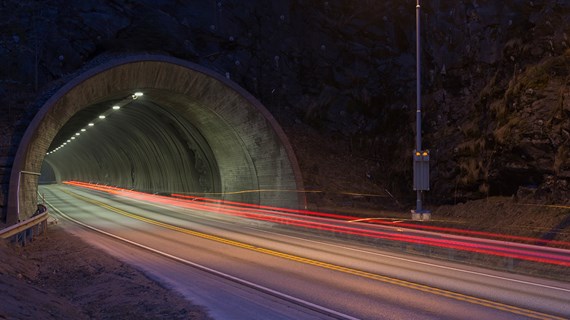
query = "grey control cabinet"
{"x": 421, "y": 170}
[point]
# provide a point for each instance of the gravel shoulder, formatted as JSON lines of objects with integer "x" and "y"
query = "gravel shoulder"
{"x": 62, "y": 277}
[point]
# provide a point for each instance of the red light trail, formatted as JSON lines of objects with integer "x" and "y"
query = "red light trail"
{"x": 322, "y": 221}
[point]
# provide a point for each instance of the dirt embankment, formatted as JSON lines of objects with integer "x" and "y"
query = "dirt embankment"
{"x": 62, "y": 277}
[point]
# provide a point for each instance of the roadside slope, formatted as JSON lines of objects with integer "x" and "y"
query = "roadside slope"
{"x": 63, "y": 277}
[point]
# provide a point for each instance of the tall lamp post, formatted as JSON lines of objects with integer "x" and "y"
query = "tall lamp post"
{"x": 420, "y": 157}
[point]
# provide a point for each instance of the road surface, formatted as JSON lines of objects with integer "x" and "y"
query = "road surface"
{"x": 242, "y": 268}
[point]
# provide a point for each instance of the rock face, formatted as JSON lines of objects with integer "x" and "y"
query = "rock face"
{"x": 495, "y": 76}
{"x": 511, "y": 122}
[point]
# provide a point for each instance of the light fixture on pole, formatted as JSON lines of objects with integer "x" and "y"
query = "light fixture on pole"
{"x": 420, "y": 157}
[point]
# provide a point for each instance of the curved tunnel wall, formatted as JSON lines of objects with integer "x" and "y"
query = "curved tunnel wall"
{"x": 144, "y": 147}
{"x": 193, "y": 131}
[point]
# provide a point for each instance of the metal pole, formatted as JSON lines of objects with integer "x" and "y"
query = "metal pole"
{"x": 418, "y": 99}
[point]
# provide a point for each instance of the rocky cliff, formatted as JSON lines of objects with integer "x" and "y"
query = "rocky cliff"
{"x": 496, "y": 100}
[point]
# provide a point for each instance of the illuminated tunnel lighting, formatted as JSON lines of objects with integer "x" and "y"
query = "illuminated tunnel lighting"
{"x": 136, "y": 95}
{"x": 482, "y": 246}
{"x": 91, "y": 124}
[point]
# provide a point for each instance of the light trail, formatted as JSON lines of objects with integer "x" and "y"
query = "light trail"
{"x": 381, "y": 222}
{"x": 292, "y": 218}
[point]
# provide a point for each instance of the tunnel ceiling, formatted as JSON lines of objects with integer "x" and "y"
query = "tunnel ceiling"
{"x": 138, "y": 145}
{"x": 192, "y": 131}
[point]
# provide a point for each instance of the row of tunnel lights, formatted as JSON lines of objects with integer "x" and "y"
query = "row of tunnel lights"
{"x": 91, "y": 124}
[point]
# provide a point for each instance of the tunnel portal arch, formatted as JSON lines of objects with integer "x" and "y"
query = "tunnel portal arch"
{"x": 192, "y": 131}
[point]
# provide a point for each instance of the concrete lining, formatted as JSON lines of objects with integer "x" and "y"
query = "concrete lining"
{"x": 193, "y": 131}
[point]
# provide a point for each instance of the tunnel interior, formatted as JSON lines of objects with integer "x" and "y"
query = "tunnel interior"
{"x": 160, "y": 125}
{"x": 139, "y": 145}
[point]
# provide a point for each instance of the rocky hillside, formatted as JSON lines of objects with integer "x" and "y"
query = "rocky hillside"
{"x": 342, "y": 73}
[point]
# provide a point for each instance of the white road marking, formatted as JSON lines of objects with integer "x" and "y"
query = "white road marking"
{"x": 247, "y": 283}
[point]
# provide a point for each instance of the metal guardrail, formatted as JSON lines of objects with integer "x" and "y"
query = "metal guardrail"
{"x": 26, "y": 230}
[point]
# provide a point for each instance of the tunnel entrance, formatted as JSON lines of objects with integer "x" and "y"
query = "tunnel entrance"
{"x": 141, "y": 143}
{"x": 160, "y": 125}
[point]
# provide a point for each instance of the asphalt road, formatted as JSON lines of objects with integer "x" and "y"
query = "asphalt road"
{"x": 241, "y": 268}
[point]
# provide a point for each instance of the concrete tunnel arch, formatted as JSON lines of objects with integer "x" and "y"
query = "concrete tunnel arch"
{"x": 193, "y": 131}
